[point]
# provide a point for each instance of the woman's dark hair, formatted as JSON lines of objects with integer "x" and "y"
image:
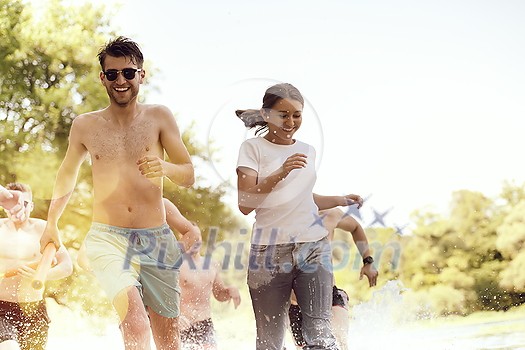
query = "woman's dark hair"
{"x": 121, "y": 47}
{"x": 253, "y": 117}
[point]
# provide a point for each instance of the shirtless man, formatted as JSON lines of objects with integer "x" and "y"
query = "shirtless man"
{"x": 23, "y": 316}
{"x": 332, "y": 219}
{"x": 198, "y": 282}
{"x": 130, "y": 248}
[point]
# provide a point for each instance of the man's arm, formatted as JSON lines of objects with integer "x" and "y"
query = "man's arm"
{"x": 176, "y": 221}
{"x": 64, "y": 185}
{"x": 349, "y": 224}
{"x": 179, "y": 169}
{"x": 63, "y": 267}
{"x": 222, "y": 292}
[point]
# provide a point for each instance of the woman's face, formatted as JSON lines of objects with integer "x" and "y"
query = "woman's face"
{"x": 284, "y": 119}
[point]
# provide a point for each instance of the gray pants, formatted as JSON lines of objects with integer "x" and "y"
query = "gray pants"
{"x": 274, "y": 270}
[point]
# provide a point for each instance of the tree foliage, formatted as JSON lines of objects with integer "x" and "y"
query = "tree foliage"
{"x": 469, "y": 260}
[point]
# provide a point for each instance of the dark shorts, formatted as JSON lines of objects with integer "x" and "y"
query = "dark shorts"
{"x": 25, "y": 323}
{"x": 339, "y": 298}
{"x": 200, "y": 333}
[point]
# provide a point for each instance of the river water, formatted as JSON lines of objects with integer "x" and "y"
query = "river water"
{"x": 381, "y": 323}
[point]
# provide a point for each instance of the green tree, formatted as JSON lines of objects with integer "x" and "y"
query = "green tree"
{"x": 457, "y": 260}
{"x": 511, "y": 241}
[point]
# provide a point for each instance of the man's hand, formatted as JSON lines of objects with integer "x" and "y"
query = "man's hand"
{"x": 26, "y": 271}
{"x": 151, "y": 166}
{"x": 50, "y": 235}
{"x": 192, "y": 241}
{"x": 371, "y": 273}
{"x": 13, "y": 202}
{"x": 235, "y": 296}
{"x": 4, "y": 194}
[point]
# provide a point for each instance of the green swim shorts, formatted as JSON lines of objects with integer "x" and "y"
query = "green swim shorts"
{"x": 146, "y": 258}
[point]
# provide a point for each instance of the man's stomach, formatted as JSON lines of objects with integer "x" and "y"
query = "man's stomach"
{"x": 19, "y": 290}
{"x": 130, "y": 201}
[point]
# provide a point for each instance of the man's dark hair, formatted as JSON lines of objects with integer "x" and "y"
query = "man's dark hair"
{"x": 121, "y": 47}
{"x": 17, "y": 186}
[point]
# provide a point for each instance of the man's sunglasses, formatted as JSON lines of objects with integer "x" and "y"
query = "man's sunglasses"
{"x": 127, "y": 73}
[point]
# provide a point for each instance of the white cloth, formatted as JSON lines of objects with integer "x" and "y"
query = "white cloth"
{"x": 288, "y": 213}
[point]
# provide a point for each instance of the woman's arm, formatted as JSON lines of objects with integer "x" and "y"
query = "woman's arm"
{"x": 252, "y": 191}
{"x": 328, "y": 202}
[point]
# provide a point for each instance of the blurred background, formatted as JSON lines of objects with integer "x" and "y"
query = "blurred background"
{"x": 416, "y": 105}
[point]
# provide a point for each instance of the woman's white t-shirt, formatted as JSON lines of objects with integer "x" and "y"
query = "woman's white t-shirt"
{"x": 288, "y": 213}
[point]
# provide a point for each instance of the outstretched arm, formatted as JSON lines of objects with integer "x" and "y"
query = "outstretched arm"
{"x": 335, "y": 218}
{"x": 348, "y": 223}
{"x": 64, "y": 185}
{"x": 328, "y": 202}
{"x": 63, "y": 267}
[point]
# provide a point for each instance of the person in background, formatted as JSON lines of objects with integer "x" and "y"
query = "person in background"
{"x": 24, "y": 322}
{"x": 199, "y": 280}
{"x": 332, "y": 219}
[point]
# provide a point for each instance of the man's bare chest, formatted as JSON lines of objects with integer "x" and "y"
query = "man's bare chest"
{"x": 110, "y": 144}
{"x": 19, "y": 246}
{"x": 200, "y": 278}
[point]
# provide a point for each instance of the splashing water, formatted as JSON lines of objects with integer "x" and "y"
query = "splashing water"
{"x": 389, "y": 320}
{"x": 381, "y": 322}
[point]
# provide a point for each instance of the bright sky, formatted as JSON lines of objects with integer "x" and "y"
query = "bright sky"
{"x": 408, "y": 100}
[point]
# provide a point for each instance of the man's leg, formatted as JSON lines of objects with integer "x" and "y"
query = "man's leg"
{"x": 135, "y": 325}
{"x": 9, "y": 345}
{"x": 341, "y": 326}
{"x": 34, "y": 327}
{"x": 165, "y": 331}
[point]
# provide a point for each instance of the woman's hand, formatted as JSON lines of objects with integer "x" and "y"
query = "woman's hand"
{"x": 295, "y": 161}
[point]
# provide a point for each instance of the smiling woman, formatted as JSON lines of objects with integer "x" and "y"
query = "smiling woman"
{"x": 276, "y": 174}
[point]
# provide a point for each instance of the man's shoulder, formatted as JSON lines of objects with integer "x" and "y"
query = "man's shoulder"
{"x": 156, "y": 109}
{"x": 88, "y": 118}
{"x": 157, "y": 113}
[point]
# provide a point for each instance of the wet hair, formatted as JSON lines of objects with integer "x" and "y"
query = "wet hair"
{"x": 253, "y": 117}
{"x": 17, "y": 186}
{"x": 121, "y": 47}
